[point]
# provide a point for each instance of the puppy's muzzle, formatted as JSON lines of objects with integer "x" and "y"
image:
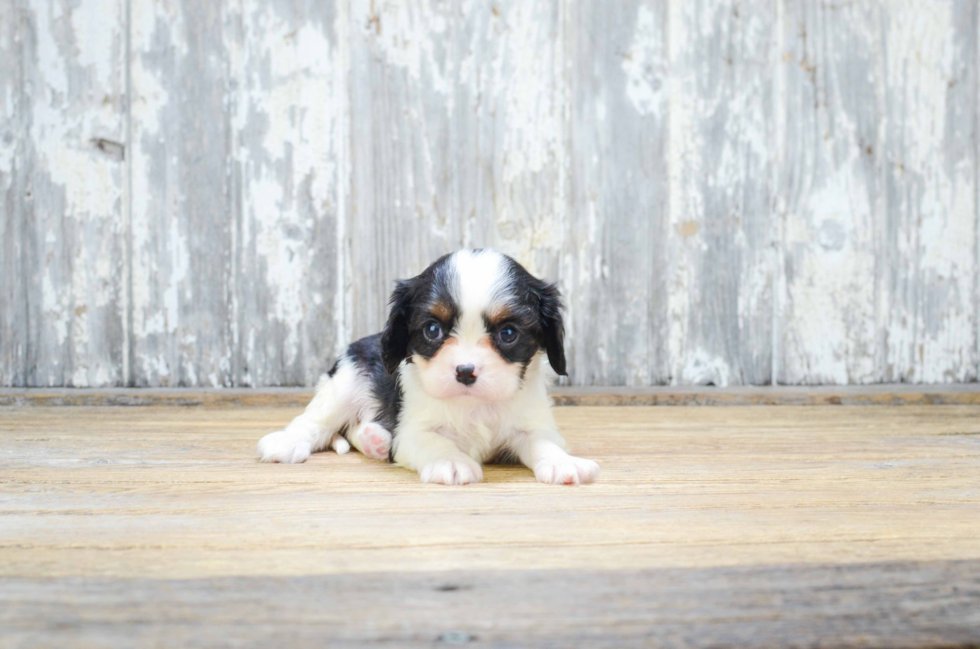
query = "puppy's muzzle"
{"x": 464, "y": 374}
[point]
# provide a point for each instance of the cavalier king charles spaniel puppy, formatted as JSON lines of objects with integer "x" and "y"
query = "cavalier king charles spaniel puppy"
{"x": 458, "y": 378}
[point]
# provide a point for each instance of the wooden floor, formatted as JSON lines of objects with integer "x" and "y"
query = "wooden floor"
{"x": 741, "y": 526}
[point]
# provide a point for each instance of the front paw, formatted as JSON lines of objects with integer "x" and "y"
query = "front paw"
{"x": 566, "y": 470}
{"x": 282, "y": 446}
{"x": 462, "y": 470}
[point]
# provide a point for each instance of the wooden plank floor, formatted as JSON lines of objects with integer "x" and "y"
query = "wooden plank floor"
{"x": 750, "y": 526}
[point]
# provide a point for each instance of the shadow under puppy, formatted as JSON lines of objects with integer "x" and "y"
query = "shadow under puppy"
{"x": 458, "y": 378}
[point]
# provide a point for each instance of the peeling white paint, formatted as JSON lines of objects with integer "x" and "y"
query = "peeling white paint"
{"x": 285, "y": 123}
{"x": 824, "y": 152}
{"x": 830, "y": 324}
{"x": 644, "y": 84}
{"x": 703, "y": 368}
{"x": 408, "y": 35}
{"x": 73, "y": 83}
{"x": 935, "y": 199}
{"x": 684, "y": 199}
{"x": 833, "y": 289}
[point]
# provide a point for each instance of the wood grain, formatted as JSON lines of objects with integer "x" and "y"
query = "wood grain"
{"x": 288, "y": 189}
{"x": 70, "y": 96}
{"x": 13, "y": 167}
{"x": 886, "y": 605}
{"x": 720, "y": 240}
{"x": 879, "y": 223}
{"x": 755, "y": 527}
{"x": 727, "y": 193}
{"x": 177, "y": 493}
{"x": 833, "y": 204}
{"x": 616, "y": 248}
{"x": 930, "y": 170}
{"x": 181, "y": 230}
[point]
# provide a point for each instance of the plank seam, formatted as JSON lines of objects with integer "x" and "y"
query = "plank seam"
{"x": 127, "y": 207}
{"x": 976, "y": 191}
{"x": 778, "y": 154}
{"x": 29, "y": 377}
{"x": 345, "y": 178}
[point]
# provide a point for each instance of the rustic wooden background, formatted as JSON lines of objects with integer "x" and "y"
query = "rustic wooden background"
{"x": 221, "y": 193}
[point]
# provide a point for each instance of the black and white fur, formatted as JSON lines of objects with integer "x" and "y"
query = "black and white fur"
{"x": 458, "y": 378}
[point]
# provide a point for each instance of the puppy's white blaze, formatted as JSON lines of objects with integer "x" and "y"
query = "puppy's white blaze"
{"x": 481, "y": 280}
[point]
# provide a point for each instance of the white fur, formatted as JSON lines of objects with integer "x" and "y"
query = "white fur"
{"x": 344, "y": 399}
{"x": 446, "y": 431}
{"x": 466, "y": 432}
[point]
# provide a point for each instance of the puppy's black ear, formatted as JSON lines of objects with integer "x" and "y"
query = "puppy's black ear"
{"x": 395, "y": 337}
{"x": 552, "y": 325}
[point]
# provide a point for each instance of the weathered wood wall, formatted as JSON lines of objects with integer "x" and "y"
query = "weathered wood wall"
{"x": 221, "y": 193}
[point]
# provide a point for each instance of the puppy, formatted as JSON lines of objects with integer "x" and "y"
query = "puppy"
{"x": 457, "y": 378}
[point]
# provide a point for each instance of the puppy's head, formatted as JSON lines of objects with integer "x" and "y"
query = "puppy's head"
{"x": 472, "y": 323}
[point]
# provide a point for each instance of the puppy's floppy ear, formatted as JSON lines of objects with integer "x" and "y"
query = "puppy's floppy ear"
{"x": 552, "y": 325}
{"x": 395, "y": 337}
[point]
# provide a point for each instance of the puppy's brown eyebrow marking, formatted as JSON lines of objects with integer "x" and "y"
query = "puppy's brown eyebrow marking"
{"x": 442, "y": 311}
{"x": 497, "y": 315}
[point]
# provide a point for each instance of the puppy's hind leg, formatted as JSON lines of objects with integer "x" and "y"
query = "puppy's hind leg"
{"x": 320, "y": 424}
{"x": 372, "y": 439}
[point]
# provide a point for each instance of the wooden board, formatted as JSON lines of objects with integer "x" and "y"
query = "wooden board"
{"x": 831, "y": 246}
{"x": 728, "y": 193}
{"x": 930, "y": 169}
{"x": 879, "y": 230}
{"x": 177, "y": 493}
{"x": 879, "y": 605}
{"x": 13, "y": 123}
{"x": 721, "y": 157}
{"x": 756, "y": 526}
{"x": 616, "y": 251}
{"x": 182, "y": 313}
{"x": 289, "y": 188}
{"x": 63, "y": 183}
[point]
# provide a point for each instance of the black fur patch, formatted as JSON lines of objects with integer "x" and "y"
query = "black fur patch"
{"x": 538, "y": 312}
{"x": 366, "y": 354}
{"x": 525, "y": 321}
{"x": 415, "y": 303}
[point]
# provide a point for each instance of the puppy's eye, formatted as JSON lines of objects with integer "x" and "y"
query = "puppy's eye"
{"x": 507, "y": 335}
{"x": 432, "y": 331}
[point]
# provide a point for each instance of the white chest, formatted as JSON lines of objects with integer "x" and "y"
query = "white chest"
{"x": 478, "y": 431}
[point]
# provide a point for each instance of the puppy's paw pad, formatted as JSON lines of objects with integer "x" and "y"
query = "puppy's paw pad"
{"x": 284, "y": 447}
{"x": 569, "y": 470}
{"x": 452, "y": 472}
{"x": 375, "y": 441}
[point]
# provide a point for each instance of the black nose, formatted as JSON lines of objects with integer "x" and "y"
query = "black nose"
{"x": 464, "y": 374}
